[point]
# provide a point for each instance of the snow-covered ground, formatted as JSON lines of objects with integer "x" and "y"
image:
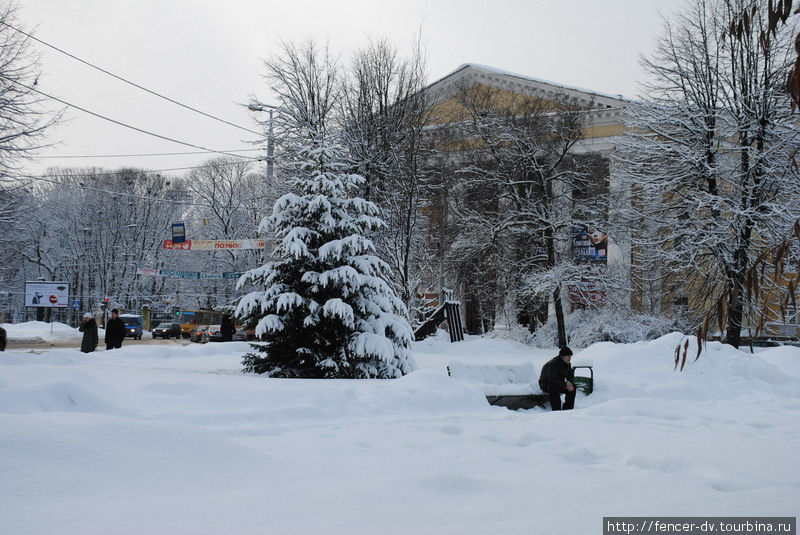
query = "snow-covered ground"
{"x": 37, "y": 331}
{"x": 155, "y": 439}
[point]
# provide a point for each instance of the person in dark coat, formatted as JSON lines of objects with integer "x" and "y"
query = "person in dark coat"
{"x": 227, "y": 328}
{"x": 2, "y": 339}
{"x": 89, "y": 330}
{"x": 558, "y": 378}
{"x": 115, "y": 331}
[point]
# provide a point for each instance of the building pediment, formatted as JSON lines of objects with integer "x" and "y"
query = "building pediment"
{"x": 471, "y": 74}
{"x": 605, "y": 121}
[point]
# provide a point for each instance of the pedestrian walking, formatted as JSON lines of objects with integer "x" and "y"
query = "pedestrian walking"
{"x": 115, "y": 331}
{"x": 227, "y": 329}
{"x": 89, "y": 330}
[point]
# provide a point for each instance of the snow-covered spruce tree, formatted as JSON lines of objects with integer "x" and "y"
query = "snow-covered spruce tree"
{"x": 323, "y": 306}
{"x": 326, "y": 309}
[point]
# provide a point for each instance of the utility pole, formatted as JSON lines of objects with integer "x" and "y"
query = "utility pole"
{"x": 270, "y": 149}
{"x": 270, "y": 133}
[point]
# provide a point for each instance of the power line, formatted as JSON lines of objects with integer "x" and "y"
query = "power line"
{"x": 139, "y": 155}
{"x": 132, "y": 83}
{"x": 121, "y": 123}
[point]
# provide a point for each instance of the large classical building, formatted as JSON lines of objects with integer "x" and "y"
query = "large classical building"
{"x": 454, "y": 102}
{"x": 460, "y": 104}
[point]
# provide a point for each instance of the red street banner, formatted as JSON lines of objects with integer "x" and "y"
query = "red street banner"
{"x": 169, "y": 244}
{"x": 210, "y": 245}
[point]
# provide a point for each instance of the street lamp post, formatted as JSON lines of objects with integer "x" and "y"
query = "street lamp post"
{"x": 259, "y": 106}
{"x": 270, "y": 136}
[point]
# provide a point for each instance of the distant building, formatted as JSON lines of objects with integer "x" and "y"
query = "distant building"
{"x": 488, "y": 301}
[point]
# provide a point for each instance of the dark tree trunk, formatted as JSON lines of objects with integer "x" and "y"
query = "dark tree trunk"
{"x": 562, "y": 328}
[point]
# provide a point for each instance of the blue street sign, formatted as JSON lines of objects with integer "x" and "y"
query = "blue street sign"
{"x": 178, "y": 233}
{"x": 76, "y": 305}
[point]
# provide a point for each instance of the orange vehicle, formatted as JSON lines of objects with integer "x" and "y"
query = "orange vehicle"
{"x": 189, "y": 319}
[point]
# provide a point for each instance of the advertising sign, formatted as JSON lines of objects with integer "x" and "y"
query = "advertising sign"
{"x": 211, "y": 245}
{"x": 178, "y": 233}
{"x": 47, "y": 294}
{"x": 169, "y": 244}
{"x": 590, "y": 244}
{"x": 587, "y": 293}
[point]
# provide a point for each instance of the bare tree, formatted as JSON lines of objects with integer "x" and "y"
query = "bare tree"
{"x": 229, "y": 201}
{"x": 384, "y": 112}
{"x": 23, "y": 116}
{"x": 94, "y": 228}
{"x": 308, "y": 75}
{"x": 514, "y": 205}
{"x": 23, "y": 121}
{"x": 708, "y": 158}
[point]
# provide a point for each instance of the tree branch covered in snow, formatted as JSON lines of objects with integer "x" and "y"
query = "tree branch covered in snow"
{"x": 519, "y": 196}
{"x": 708, "y": 159}
{"x": 23, "y": 121}
{"x": 384, "y": 111}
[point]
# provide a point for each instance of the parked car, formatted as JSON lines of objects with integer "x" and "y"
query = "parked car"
{"x": 198, "y": 333}
{"x": 133, "y": 325}
{"x": 167, "y": 330}
{"x": 239, "y": 336}
{"x": 214, "y": 333}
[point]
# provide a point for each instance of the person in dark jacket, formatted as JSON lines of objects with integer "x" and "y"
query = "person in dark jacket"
{"x": 115, "y": 331}
{"x": 227, "y": 329}
{"x": 89, "y": 330}
{"x": 2, "y": 339}
{"x": 558, "y": 378}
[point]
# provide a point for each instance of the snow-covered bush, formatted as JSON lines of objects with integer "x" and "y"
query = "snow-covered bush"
{"x": 586, "y": 327}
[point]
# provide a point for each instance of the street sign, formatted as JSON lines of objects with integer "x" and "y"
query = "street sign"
{"x": 76, "y": 305}
{"x": 179, "y": 274}
{"x": 178, "y": 233}
{"x": 187, "y": 274}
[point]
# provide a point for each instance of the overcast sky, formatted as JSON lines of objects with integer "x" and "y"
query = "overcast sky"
{"x": 208, "y": 54}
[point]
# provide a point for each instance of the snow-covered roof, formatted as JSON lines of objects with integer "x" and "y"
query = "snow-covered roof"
{"x": 502, "y": 77}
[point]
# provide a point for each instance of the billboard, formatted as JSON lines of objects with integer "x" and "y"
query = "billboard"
{"x": 47, "y": 294}
{"x": 590, "y": 245}
{"x": 587, "y": 292}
